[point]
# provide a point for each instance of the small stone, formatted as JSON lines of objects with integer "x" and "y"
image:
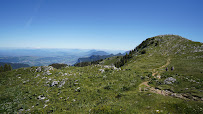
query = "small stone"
{"x": 77, "y": 89}
{"x": 54, "y": 83}
{"x": 41, "y": 97}
{"x": 39, "y": 69}
{"x": 37, "y": 75}
{"x": 28, "y": 110}
{"x": 62, "y": 83}
{"x": 101, "y": 70}
{"x": 46, "y": 101}
{"x": 45, "y": 106}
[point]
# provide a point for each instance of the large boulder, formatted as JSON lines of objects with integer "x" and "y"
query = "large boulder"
{"x": 169, "y": 80}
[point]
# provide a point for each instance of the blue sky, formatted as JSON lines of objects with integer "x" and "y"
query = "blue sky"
{"x": 96, "y": 24}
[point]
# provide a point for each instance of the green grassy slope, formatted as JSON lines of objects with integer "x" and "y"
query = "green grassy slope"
{"x": 106, "y": 89}
{"x": 184, "y": 55}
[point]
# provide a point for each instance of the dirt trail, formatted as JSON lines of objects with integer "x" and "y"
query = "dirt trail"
{"x": 166, "y": 92}
{"x": 145, "y": 87}
{"x": 154, "y": 72}
{"x": 152, "y": 89}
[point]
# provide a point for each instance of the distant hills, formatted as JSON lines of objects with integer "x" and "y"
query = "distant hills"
{"x": 43, "y": 57}
{"x": 98, "y": 53}
{"x": 96, "y": 57}
{"x": 9, "y": 52}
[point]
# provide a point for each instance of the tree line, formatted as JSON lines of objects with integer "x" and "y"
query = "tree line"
{"x": 139, "y": 49}
{"x": 82, "y": 64}
{"x": 58, "y": 65}
{"x": 124, "y": 59}
{"x": 5, "y": 68}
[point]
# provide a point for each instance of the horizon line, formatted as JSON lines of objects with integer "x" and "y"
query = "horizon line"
{"x": 63, "y": 48}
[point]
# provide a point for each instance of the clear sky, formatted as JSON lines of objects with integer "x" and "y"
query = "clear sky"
{"x": 96, "y": 24}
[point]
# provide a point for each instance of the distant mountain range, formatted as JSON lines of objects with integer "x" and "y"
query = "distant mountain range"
{"x": 43, "y": 57}
{"x": 94, "y": 52}
{"x": 96, "y": 57}
{"x": 8, "y": 52}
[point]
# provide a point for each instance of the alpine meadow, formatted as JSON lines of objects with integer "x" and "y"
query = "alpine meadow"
{"x": 161, "y": 75}
{"x": 101, "y": 57}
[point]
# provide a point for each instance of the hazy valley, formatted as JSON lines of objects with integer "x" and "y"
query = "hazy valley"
{"x": 44, "y": 57}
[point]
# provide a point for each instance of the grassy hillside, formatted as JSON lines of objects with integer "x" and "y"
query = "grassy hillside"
{"x": 137, "y": 87}
{"x": 182, "y": 54}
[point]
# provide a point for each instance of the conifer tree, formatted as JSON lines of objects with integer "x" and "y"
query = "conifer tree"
{"x": 1, "y": 68}
{"x": 9, "y": 68}
{"x": 6, "y": 68}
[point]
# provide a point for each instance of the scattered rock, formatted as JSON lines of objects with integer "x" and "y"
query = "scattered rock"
{"x": 101, "y": 70}
{"x": 41, "y": 97}
{"x": 47, "y": 73}
{"x": 62, "y": 83}
{"x": 106, "y": 66}
{"x": 24, "y": 82}
{"x": 54, "y": 83}
{"x": 44, "y": 77}
{"x": 172, "y": 68}
{"x": 112, "y": 67}
{"x": 77, "y": 89}
{"x": 39, "y": 69}
{"x": 75, "y": 84}
{"x": 48, "y": 68}
{"x": 45, "y": 106}
{"x": 37, "y": 75}
{"x": 169, "y": 80}
{"x": 21, "y": 109}
{"x": 27, "y": 110}
{"x": 104, "y": 76}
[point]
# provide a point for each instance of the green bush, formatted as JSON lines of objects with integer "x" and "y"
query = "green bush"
{"x": 143, "y": 51}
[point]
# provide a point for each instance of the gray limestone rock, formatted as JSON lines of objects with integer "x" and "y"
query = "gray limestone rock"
{"x": 39, "y": 69}
{"x": 169, "y": 80}
{"x": 54, "y": 83}
{"x": 41, "y": 97}
{"x": 62, "y": 83}
{"x": 101, "y": 70}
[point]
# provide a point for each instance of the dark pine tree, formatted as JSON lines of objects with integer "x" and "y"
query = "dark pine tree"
{"x": 6, "y": 68}
{"x": 1, "y": 68}
{"x": 9, "y": 68}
